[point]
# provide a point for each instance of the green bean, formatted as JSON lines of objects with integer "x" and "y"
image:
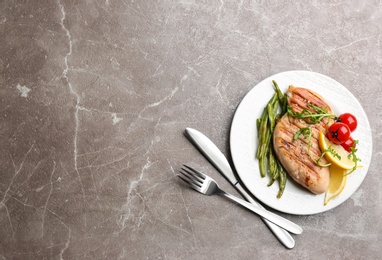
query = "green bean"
{"x": 277, "y": 89}
{"x": 273, "y": 167}
{"x": 265, "y": 144}
{"x": 272, "y": 110}
{"x": 263, "y": 166}
{"x": 263, "y": 155}
{"x": 282, "y": 180}
{"x": 270, "y": 183}
{"x": 262, "y": 132}
{"x": 271, "y": 163}
{"x": 263, "y": 124}
{"x": 282, "y": 97}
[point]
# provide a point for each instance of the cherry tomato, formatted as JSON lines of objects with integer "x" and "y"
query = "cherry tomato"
{"x": 338, "y": 133}
{"x": 348, "y": 119}
{"x": 348, "y": 144}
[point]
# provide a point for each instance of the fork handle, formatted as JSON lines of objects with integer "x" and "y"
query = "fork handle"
{"x": 275, "y": 219}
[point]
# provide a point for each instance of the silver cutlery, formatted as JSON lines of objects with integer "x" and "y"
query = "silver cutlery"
{"x": 220, "y": 162}
{"x": 207, "y": 186}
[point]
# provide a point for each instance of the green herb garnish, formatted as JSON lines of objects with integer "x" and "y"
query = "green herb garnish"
{"x": 352, "y": 156}
{"x": 313, "y": 116}
{"x": 304, "y": 131}
{"x": 308, "y": 135}
{"x": 328, "y": 150}
{"x": 307, "y": 132}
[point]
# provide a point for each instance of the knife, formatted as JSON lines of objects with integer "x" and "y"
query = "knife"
{"x": 220, "y": 162}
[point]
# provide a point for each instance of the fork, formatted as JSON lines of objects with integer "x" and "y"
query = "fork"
{"x": 207, "y": 186}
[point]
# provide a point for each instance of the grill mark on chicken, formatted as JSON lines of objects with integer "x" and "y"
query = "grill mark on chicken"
{"x": 303, "y": 97}
{"x": 300, "y": 148}
{"x": 293, "y": 128}
{"x": 293, "y": 154}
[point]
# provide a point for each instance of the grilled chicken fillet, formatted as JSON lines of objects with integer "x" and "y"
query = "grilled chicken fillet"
{"x": 293, "y": 154}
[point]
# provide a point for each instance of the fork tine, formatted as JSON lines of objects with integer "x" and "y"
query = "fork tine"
{"x": 199, "y": 175}
{"x": 189, "y": 183}
{"x": 190, "y": 177}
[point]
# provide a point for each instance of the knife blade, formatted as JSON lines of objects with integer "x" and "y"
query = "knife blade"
{"x": 212, "y": 153}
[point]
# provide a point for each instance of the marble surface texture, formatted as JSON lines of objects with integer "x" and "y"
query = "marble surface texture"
{"x": 95, "y": 97}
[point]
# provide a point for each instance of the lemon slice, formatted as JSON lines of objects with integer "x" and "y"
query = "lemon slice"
{"x": 344, "y": 162}
{"x": 337, "y": 182}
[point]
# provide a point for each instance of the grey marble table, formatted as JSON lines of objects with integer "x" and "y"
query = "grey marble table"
{"x": 95, "y": 96}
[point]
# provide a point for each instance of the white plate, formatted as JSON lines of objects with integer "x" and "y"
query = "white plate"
{"x": 243, "y": 142}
